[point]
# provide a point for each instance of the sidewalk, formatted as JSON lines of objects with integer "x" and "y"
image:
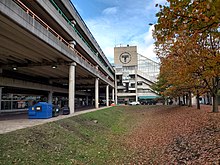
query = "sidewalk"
{"x": 21, "y": 121}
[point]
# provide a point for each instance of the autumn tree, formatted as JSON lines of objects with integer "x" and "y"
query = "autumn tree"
{"x": 187, "y": 38}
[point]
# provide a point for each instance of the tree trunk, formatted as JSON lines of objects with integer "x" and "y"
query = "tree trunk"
{"x": 184, "y": 102}
{"x": 190, "y": 99}
{"x": 215, "y": 103}
{"x": 208, "y": 99}
{"x": 215, "y": 94}
{"x": 204, "y": 98}
{"x": 179, "y": 101}
{"x": 187, "y": 100}
{"x": 197, "y": 98}
{"x": 167, "y": 101}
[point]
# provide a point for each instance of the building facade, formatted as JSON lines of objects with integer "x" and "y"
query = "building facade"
{"x": 135, "y": 74}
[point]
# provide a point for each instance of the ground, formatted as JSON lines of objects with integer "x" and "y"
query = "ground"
{"x": 120, "y": 135}
{"x": 176, "y": 135}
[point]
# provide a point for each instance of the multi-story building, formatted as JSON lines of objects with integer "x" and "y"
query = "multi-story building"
{"x": 135, "y": 74}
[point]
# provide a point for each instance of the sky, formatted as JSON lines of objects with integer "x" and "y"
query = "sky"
{"x": 120, "y": 22}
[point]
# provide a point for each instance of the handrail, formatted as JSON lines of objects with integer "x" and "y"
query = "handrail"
{"x": 35, "y": 17}
{"x": 70, "y": 23}
{"x": 88, "y": 29}
{"x": 77, "y": 32}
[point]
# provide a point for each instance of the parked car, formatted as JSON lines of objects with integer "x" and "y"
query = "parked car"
{"x": 66, "y": 110}
{"x": 134, "y": 103}
{"x": 149, "y": 102}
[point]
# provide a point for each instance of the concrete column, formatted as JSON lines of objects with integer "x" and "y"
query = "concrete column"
{"x": 116, "y": 97}
{"x": 73, "y": 43}
{"x": 87, "y": 100}
{"x": 136, "y": 88}
{"x": 11, "y": 98}
{"x": 72, "y": 87}
{"x": 107, "y": 95}
{"x": 73, "y": 22}
{"x": 116, "y": 89}
{"x": 50, "y": 97}
{"x": 1, "y": 98}
{"x": 113, "y": 94}
{"x": 97, "y": 93}
{"x": 78, "y": 102}
{"x": 92, "y": 99}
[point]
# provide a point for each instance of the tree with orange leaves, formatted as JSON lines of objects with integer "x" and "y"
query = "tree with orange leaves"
{"x": 187, "y": 38}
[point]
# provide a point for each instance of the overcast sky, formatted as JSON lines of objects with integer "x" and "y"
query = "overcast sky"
{"x": 114, "y": 22}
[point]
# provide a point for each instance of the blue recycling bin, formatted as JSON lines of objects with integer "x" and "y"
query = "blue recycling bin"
{"x": 41, "y": 110}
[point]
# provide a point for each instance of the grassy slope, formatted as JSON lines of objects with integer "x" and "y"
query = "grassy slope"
{"x": 123, "y": 135}
{"x": 76, "y": 140}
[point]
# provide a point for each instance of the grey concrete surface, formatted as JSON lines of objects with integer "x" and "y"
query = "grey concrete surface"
{"x": 15, "y": 122}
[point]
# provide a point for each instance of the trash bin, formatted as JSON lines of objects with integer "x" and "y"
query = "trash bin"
{"x": 41, "y": 110}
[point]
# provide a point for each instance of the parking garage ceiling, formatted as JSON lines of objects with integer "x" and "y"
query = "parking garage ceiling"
{"x": 23, "y": 54}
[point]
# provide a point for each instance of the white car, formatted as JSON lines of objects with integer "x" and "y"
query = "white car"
{"x": 134, "y": 103}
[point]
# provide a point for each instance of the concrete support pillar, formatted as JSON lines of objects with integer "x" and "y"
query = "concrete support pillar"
{"x": 78, "y": 102}
{"x": 136, "y": 88}
{"x": 50, "y": 97}
{"x": 1, "y": 98}
{"x": 87, "y": 100}
{"x": 72, "y": 87}
{"x": 116, "y": 89}
{"x": 73, "y": 22}
{"x": 107, "y": 95}
{"x": 113, "y": 94}
{"x": 93, "y": 101}
{"x": 116, "y": 97}
{"x": 73, "y": 43}
{"x": 97, "y": 93}
{"x": 11, "y": 98}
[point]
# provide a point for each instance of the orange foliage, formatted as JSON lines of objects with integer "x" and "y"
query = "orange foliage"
{"x": 188, "y": 43}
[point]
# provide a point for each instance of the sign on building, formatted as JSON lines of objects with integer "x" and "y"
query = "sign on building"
{"x": 125, "y": 56}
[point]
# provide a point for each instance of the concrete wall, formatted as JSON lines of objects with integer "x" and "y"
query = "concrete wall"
{"x": 125, "y": 56}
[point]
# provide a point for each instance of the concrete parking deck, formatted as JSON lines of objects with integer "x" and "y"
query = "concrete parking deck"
{"x": 20, "y": 121}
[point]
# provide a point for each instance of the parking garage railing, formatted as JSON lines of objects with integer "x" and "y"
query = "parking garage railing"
{"x": 45, "y": 25}
{"x": 77, "y": 32}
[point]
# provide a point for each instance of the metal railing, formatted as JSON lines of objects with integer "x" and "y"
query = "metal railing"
{"x": 77, "y": 32}
{"x": 70, "y": 23}
{"x": 45, "y": 25}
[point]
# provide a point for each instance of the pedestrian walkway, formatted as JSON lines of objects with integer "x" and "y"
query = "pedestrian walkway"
{"x": 12, "y": 123}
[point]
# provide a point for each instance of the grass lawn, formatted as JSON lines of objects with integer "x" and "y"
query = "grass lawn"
{"x": 116, "y": 135}
{"x": 92, "y": 138}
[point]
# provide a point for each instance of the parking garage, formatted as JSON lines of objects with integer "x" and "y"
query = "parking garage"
{"x": 47, "y": 53}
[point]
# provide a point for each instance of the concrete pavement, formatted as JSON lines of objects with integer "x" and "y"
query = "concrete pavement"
{"x": 12, "y": 123}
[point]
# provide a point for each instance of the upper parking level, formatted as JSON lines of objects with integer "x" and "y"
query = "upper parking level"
{"x": 66, "y": 21}
{"x": 43, "y": 16}
{"x": 44, "y": 52}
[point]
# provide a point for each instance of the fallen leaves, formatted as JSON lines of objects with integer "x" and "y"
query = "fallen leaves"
{"x": 122, "y": 135}
{"x": 176, "y": 135}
